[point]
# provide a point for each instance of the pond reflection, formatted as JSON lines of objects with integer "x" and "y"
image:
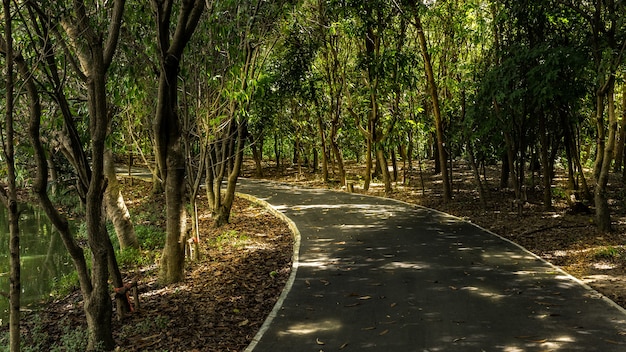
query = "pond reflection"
{"x": 44, "y": 259}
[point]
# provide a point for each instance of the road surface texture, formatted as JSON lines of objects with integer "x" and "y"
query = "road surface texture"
{"x": 375, "y": 274}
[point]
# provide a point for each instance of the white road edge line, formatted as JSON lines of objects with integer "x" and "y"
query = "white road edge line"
{"x": 292, "y": 276}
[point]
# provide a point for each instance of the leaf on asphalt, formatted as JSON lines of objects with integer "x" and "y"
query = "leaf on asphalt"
{"x": 365, "y": 298}
{"x": 384, "y": 332}
{"x": 319, "y": 342}
{"x": 369, "y": 328}
{"x": 343, "y": 346}
{"x": 326, "y": 283}
{"x": 392, "y": 305}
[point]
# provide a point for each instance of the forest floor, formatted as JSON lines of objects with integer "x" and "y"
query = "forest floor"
{"x": 228, "y": 293}
{"x": 220, "y": 305}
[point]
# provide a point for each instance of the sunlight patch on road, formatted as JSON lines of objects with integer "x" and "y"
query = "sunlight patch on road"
{"x": 312, "y": 327}
{"x": 405, "y": 265}
{"x": 483, "y": 293}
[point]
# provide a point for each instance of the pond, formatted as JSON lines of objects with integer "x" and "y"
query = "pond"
{"x": 43, "y": 256}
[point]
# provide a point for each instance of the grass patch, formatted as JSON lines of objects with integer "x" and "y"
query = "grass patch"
{"x": 609, "y": 253}
{"x": 232, "y": 238}
{"x": 150, "y": 237}
{"x": 65, "y": 285}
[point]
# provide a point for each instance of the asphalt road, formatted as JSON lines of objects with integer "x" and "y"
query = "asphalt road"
{"x": 375, "y": 274}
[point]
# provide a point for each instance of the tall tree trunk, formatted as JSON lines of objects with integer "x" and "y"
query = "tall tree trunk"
{"x": 603, "y": 214}
{"x": 170, "y": 154}
{"x": 619, "y": 147}
{"x": 224, "y": 211}
{"x": 479, "y": 184}
{"x": 367, "y": 178}
{"x": 380, "y": 155}
{"x": 9, "y": 195}
{"x": 257, "y": 155}
{"x": 167, "y": 128}
{"x": 116, "y": 208}
{"x": 601, "y": 139}
{"x": 320, "y": 126}
{"x": 432, "y": 85}
{"x": 545, "y": 165}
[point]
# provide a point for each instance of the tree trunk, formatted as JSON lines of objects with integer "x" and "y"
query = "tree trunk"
{"x": 603, "y": 214}
{"x": 223, "y": 212}
{"x": 479, "y": 184}
{"x": 320, "y": 126}
{"x": 257, "y": 155}
{"x": 447, "y": 191}
{"x": 367, "y": 178}
{"x": 116, "y": 208}
{"x": 601, "y": 138}
{"x": 545, "y": 165}
{"x": 167, "y": 129}
{"x": 169, "y": 151}
{"x": 9, "y": 196}
{"x": 380, "y": 154}
{"x": 619, "y": 147}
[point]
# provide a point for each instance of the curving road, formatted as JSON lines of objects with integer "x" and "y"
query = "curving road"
{"x": 380, "y": 275}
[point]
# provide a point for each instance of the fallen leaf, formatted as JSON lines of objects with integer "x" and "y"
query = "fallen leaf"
{"x": 343, "y": 346}
{"x": 243, "y": 323}
{"x": 319, "y": 342}
{"x": 364, "y": 298}
{"x": 384, "y": 332}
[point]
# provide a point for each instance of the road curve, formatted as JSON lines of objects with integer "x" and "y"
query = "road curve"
{"x": 376, "y": 274}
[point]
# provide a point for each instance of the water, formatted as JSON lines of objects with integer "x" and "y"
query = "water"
{"x": 44, "y": 258}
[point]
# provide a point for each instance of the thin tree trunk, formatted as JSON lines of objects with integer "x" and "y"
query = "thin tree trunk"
{"x": 619, "y": 147}
{"x": 380, "y": 155}
{"x": 447, "y": 191}
{"x": 545, "y": 165}
{"x": 320, "y": 126}
{"x": 479, "y": 184}
{"x": 368, "y": 164}
{"x": 601, "y": 139}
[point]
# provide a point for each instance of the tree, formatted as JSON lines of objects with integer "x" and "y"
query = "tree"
{"x": 167, "y": 125}
{"x": 92, "y": 59}
{"x": 8, "y": 195}
{"x": 608, "y": 46}
{"x": 434, "y": 96}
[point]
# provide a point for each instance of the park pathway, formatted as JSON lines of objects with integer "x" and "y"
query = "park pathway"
{"x": 380, "y": 275}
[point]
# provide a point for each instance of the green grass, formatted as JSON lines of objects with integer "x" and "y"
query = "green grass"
{"x": 150, "y": 237}
{"x": 230, "y": 237}
{"x": 609, "y": 253}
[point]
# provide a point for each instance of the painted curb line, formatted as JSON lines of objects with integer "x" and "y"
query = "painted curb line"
{"x": 292, "y": 276}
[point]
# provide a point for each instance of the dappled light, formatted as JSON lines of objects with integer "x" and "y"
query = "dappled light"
{"x": 381, "y": 273}
{"x": 313, "y": 327}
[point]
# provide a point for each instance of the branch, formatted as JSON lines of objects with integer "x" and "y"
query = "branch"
{"x": 114, "y": 32}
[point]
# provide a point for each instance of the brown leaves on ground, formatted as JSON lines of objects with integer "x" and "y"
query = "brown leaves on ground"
{"x": 224, "y": 298}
